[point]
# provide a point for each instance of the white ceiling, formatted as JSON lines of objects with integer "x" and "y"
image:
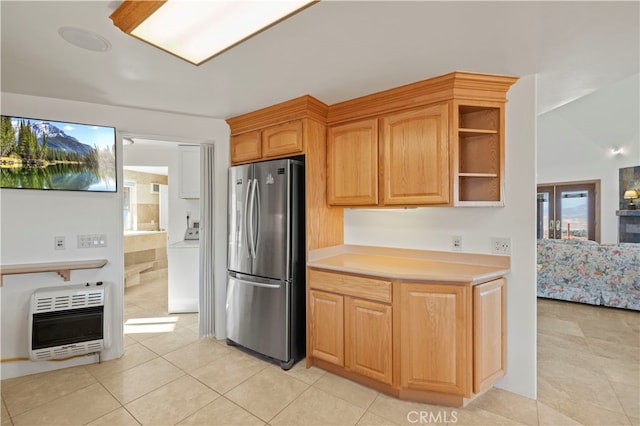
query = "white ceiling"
{"x": 333, "y": 50}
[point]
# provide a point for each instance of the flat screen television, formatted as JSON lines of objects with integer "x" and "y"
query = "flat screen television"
{"x": 56, "y": 155}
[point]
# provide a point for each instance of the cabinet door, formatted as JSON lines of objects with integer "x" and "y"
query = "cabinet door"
{"x": 282, "y": 139}
{"x": 489, "y": 332}
{"x": 352, "y": 164}
{"x": 434, "y": 338}
{"x": 415, "y": 157}
{"x": 189, "y": 171}
{"x": 246, "y": 147}
{"x": 368, "y": 337}
{"x": 327, "y": 326}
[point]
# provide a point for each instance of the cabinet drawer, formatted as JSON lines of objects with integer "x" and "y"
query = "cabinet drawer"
{"x": 351, "y": 285}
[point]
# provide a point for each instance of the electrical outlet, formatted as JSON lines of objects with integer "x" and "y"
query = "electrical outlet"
{"x": 456, "y": 243}
{"x": 500, "y": 245}
{"x": 58, "y": 243}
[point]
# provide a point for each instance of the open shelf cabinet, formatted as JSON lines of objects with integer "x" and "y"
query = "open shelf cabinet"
{"x": 480, "y": 133}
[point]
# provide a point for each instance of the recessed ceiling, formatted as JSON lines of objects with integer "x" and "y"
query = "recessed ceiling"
{"x": 333, "y": 50}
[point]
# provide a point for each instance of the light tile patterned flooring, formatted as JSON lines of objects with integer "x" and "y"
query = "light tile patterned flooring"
{"x": 588, "y": 373}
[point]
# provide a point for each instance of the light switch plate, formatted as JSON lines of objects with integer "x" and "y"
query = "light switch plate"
{"x": 92, "y": 240}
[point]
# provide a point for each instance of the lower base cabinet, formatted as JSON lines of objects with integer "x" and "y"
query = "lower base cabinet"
{"x": 434, "y": 337}
{"x": 327, "y": 327}
{"x": 368, "y": 336}
{"x": 431, "y": 342}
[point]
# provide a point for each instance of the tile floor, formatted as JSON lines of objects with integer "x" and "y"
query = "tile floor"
{"x": 588, "y": 373}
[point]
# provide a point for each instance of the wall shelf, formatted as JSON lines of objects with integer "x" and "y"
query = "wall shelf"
{"x": 61, "y": 268}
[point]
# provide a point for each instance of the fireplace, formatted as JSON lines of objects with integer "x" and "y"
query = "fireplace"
{"x": 69, "y": 320}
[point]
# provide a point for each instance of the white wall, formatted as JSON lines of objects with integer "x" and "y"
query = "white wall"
{"x": 29, "y": 220}
{"x": 432, "y": 228}
{"x": 575, "y": 142}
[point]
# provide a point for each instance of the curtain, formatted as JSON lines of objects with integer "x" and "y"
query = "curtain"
{"x": 206, "y": 297}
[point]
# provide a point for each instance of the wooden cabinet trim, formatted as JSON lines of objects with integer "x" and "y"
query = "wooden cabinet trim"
{"x": 455, "y": 85}
{"x": 295, "y": 109}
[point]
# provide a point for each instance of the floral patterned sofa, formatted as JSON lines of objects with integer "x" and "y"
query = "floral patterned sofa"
{"x": 588, "y": 272}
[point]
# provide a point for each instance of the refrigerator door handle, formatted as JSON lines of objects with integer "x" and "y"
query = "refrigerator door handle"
{"x": 257, "y": 284}
{"x": 252, "y": 204}
{"x": 246, "y": 217}
{"x": 256, "y": 240}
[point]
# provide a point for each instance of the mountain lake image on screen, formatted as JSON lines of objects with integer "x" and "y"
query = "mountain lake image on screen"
{"x": 56, "y": 155}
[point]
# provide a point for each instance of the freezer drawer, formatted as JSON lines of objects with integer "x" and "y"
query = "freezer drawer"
{"x": 258, "y": 315}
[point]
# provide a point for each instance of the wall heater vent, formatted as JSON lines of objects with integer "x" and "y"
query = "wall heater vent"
{"x": 68, "y": 321}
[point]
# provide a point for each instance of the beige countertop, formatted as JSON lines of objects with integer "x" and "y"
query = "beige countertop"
{"x": 410, "y": 264}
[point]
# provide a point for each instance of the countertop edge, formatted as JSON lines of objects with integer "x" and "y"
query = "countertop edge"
{"x": 480, "y": 259}
{"x": 460, "y": 279}
{"x": 499, "y": 265}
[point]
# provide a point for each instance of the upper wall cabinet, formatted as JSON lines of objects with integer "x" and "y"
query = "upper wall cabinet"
{"x": 352, "y": 163}
{"x": 281, "y": 130}
{"x": 246, "y": 147}
{"x": 435, "y": 142}
{"x": 293, "y": 128}
{"x": 282, "y": 139}
{"x": 402, "y": 156}
{"x": 415, "y": 157}
{"x": 480, "y": 159}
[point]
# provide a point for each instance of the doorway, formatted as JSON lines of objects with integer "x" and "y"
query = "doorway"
{"x": 569, "y": 210}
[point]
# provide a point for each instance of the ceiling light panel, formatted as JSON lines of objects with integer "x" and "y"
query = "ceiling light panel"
{"x": 199, "y": 30}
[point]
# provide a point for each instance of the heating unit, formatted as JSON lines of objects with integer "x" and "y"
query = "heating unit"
{"x": 69, "y": 320}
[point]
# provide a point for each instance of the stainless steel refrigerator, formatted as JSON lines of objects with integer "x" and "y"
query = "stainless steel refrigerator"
{"x": 266, "y": 259}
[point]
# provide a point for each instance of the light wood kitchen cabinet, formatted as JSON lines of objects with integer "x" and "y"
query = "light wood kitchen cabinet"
{"x": 480, "y": 165}
{"x": 296, "y": 128}
{"x": 415, "y": 157}
{"x": 352, "y": 164}
{"x": 429, "y": 341}
{"x": 246, "y": 147}
{"x": 434, "y": 338}
{"x": 489, "y": 334}
{"x": 441, "y": 143}
{"x": 355, "y": 311}
{"x": 368, "y": 330}
{"x": 410, "y": 164}
{"x": 326, "y": 330}
{"x": 282, "y": 139}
